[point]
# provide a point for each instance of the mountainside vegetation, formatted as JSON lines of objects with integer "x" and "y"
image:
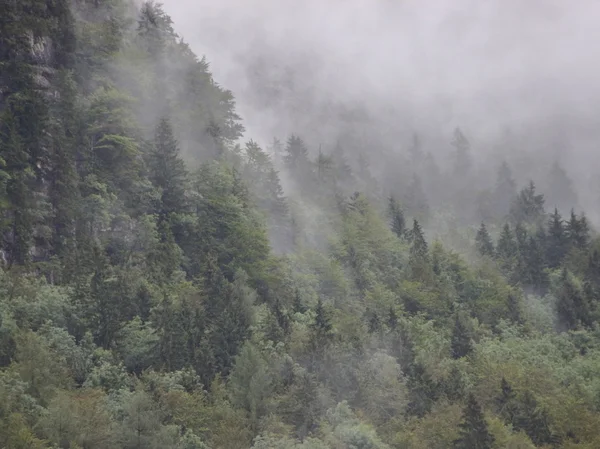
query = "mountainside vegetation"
{"x": 166, "y": 284}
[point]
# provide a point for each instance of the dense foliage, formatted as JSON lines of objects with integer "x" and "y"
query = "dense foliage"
{"x": 160, "y": 290}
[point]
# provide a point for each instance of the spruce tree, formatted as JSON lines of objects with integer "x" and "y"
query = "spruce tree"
{"x": 167, "y": 170}
{"x": 578, "y": 231}
{"x": 473, "y": 430}
{"x": 296, "y": 154}
{"x": 572, "y": 306}
{"x": 528, "y": 206}
{"x": 485, "y": 246}
{"x": 534, "y": 421}
{"x": 396, "y": 216}
{"x": 460, "y": 343}
{"x": 557, "y": 241}
{"x": 322, "y": 329}
{"x": 506, "y": 402}
{"x": 418, "y": 260}
{"x": 506, "y": 248}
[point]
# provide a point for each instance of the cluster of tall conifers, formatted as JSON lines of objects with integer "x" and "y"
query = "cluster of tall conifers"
{"x": 155, "y": 264}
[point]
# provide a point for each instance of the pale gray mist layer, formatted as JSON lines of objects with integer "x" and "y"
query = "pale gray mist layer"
{"x": 429, "y": 66}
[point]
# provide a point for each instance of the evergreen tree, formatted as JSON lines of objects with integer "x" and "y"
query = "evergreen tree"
{"x": 484, "y": 243}
{"x": 578, "y": 231}
{"x": 514, "y": 308}
{"x": 396, "y": 216}
{"x": 506, "y": 248}
{"x": 296, "y": 155}
{"x": 473, "y": 433}
{"x": 392, "y": 320}
{"x": 167, "y": 170}
{"x": 572, "y": 306}
{"x": 460, "y": 343}
{"x": 534, "y": 264}
{"x": 557, "y": 242}
{"x": 418, "y": 262}
{"x": 534, "y": 421}
{"x": 424, "y": 391}
{"x": 322, "y": 329}
{"x": 528, "y": 206}
{"x": 506, "y": 402}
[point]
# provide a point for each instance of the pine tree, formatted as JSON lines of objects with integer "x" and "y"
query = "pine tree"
{"x": 392, "y": 321}
{"x": 484, "y": 243}
{"x": 167, "y": 170}
{"x": 506, "y": 402}
{"x": 514, "y": 308}
{"x": 557, "y": 242}
{"x": 534, "y": 265}
{"x": 473, "y": 432}
{"x": 578, "y": 231}
{"x": 460, "y": 343}
{"x": 528, "y": 206}
{"x": 418, "y": 260}
{"x": 396, "y": 216}
{"x": 572, "y": 306}
{"x": 507, "y": 246}
{"x": 296, "y": 154}
{"x": 322, "y": 329}
{"x": 534, "y": 421}
{"x": 418, "y": 247}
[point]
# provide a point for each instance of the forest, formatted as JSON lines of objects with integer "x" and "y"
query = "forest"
{"x": 166, "y": 281}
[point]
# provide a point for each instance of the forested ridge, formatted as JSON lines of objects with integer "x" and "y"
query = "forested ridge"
{"x": 160, "y": 288}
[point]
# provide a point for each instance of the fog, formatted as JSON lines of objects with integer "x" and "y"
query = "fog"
{"x": 391, "y": 68}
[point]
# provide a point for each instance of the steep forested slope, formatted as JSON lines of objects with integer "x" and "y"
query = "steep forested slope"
{"x": 159, "y": 290}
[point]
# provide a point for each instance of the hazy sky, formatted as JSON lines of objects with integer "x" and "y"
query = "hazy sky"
{"x": 482, "y": 65}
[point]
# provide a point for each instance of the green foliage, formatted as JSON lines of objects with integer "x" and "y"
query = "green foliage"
{"x": 474, "y": 431}
{"x": 163, "y": 285}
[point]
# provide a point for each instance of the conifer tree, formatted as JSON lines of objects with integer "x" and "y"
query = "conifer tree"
{"x": 485, "y": 246}
{"x": 167, "y": 170}
{"x": 528, "y": 206}
{"x": 572, "y": 306}
{"x": 392, "y": 320}
{"x": 296, "y": 154}
{"x": 506, "y": 402}
{"x": 578, "y": 231}
{"x": 418, "y": 260}
{"x": 473, "y": 432}
{"x": 514, "y": 308}
{"x": 322, "y": 329}
{"x": 534, "y": 273}
{"x": 557, "y": 242}
{"x": 506, "y": 248}
{"x": 460, "y": 343}
{"x": 534, "y": 421}
{"x": 396, "y": 216}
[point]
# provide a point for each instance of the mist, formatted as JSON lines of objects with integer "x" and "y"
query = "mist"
{"x": 388, "y": 69}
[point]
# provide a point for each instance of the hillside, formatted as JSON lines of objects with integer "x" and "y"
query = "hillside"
{"x": 166, "y": 284}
